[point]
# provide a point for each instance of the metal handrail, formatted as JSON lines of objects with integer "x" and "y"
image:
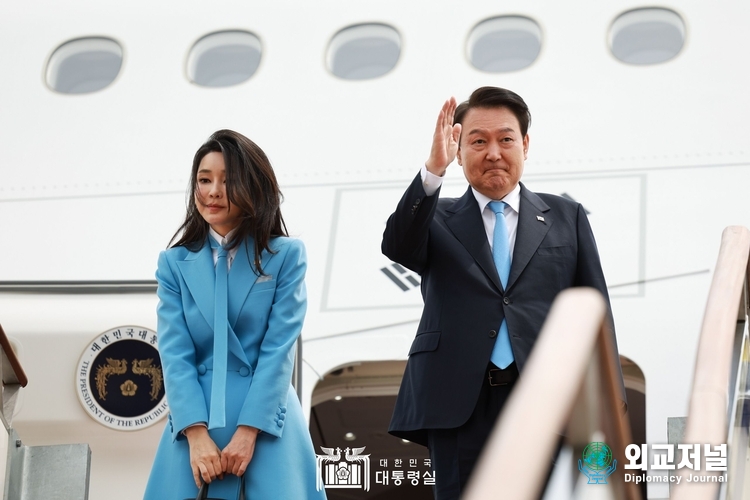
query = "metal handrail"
{"x": 13, "y": 378}
{"x": 65, "y": 468}
{"x": 12, "y": 371}
{"x": 575, "y": 341}
{"x": 707, "y": 415}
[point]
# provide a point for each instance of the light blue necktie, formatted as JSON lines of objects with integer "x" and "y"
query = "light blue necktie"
{"x": 502, "y": 354}
{"x": 216, "y": 418}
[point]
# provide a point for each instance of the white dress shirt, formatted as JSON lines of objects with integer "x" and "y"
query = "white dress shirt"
{"x": 431, "y": 183}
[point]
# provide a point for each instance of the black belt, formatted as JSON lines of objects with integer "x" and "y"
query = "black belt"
{"x": 502, "y": 377}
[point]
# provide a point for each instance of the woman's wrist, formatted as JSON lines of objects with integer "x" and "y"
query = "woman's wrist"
{"x": 247, "y": 429}
{"x": 195, "y": 431}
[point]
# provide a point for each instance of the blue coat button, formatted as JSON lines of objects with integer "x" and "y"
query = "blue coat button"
{"x": 201, "y": 369}
{"x": 282, "y": 409}
{"x": 244, "y": 371}
{"x": 282, "y": 416}
{"x": 280, "y": 423}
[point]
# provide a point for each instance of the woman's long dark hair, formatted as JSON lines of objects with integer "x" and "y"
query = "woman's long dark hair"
{"x": 251, "y": 185}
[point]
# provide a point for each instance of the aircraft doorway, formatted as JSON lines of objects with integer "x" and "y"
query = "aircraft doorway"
{"x": 351, "y": 409}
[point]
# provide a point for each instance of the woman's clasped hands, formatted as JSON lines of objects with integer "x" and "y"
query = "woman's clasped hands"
{"x": 208, "y": 462}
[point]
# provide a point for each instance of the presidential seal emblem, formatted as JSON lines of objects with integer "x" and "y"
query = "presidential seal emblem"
{"x": 119, "y": 379}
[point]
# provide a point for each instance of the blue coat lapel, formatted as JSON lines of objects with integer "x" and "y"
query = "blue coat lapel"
{"x": 241, "y": 279}
{"x": 200, "y": 277}
{"x": 239, "y": 282}
{"x": 243, "y": 276}
{"x": 199, "y": 273}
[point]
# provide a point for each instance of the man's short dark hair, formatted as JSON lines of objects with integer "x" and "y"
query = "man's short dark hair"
{"x": 495, "y": 97}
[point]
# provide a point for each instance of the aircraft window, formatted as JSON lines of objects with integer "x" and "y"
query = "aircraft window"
{"x": 647, "y": 36}
{"x": 502, "y": 44}
{"x": 363, "y": 51}
{"x": 84, "y": 65}
{"x": 224, "y": 58}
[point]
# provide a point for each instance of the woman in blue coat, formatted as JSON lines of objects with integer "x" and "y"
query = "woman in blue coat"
{"x": 231, "y": 306}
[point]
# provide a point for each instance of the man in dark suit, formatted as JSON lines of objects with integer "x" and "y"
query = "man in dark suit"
{"x": 491, "y": 263}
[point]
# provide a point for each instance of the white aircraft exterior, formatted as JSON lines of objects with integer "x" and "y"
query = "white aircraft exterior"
{"x": 94, "y": 184}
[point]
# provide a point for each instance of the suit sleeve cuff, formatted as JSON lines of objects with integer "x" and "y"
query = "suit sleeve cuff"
{"x": 430, "y": 182}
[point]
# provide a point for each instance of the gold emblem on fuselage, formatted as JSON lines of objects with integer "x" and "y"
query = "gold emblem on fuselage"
{"x": 120, "y": 366}
{"x": 113, "y": 367}
{"x": 119, "y": 379}
{"x": 143, "y": 367}
{"x": 128, "y": 388}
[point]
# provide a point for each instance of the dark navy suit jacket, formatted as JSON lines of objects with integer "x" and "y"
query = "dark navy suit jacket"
{"x": 444, "y": 241}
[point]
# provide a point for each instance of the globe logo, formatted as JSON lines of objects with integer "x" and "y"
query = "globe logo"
{"x": 597, "y": 463}
{"x": 597, "y": 456}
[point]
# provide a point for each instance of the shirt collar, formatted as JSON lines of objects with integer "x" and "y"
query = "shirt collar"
{"x": 512, "y": 199}
{"x": 222, "y": 240}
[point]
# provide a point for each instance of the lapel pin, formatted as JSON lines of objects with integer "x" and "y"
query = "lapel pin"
{"x": 540, "y": 218}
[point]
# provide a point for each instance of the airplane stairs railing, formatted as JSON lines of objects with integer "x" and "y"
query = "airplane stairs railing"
{"x": 569, "y": 387}
{"x": 719, "y": 411}
{"x": 572, "y": 341}
{"x": 35, "y": 472}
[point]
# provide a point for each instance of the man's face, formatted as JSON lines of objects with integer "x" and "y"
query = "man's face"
{"x": 492, "y": 150}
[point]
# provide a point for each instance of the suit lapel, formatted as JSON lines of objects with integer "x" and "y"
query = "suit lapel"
{"x": 199, "y": 273}
{"x": 466, "y": 225}
{"x": 242, "y": 277}
{"x": 530, "y": 233}
{"x": 240, "y": 280}
{"x": 200, "y": 277}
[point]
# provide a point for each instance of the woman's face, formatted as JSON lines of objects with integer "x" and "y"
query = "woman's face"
{"x": 211, "y": 195}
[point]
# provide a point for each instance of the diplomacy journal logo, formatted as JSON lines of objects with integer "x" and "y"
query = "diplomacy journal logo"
{"x": 668, "y": 465}
{"x": 596, "y": 462}
{"x": 658, "y": 463}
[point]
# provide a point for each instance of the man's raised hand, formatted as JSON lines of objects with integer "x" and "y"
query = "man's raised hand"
{"x": 445, "y": 140}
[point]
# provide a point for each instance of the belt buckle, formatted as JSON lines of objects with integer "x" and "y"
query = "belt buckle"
{"x": 489, "y": 377}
